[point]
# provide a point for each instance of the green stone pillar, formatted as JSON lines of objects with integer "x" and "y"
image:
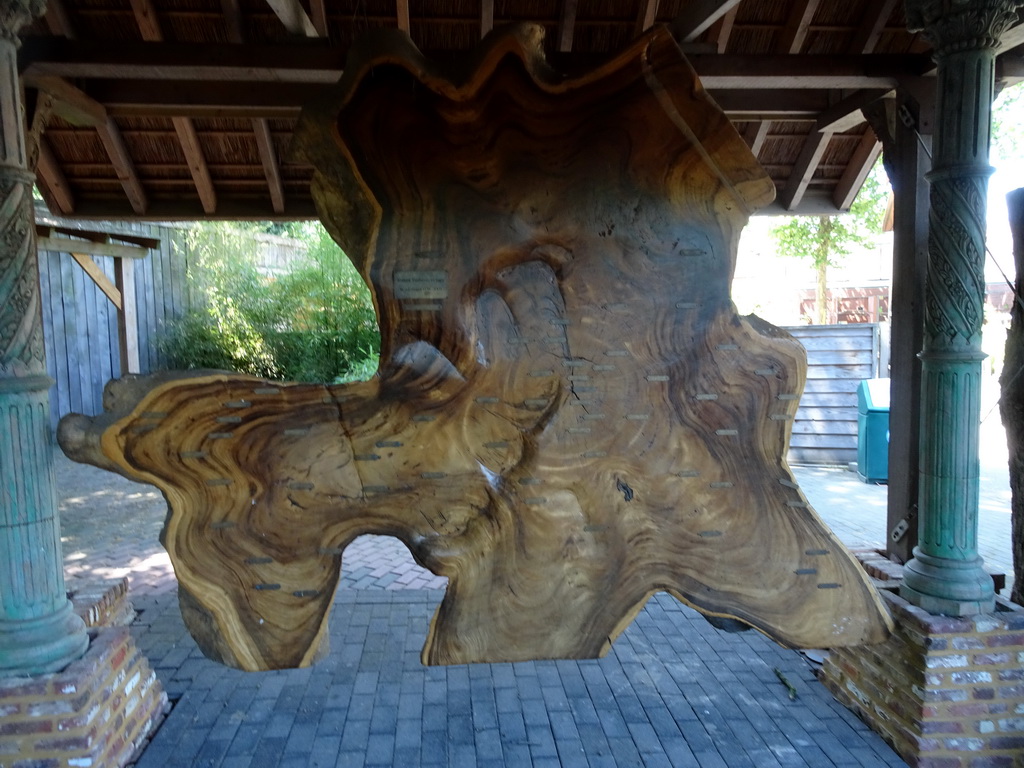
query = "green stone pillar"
{"x": 946, "y": 575}
{"x": 38, "y": 630}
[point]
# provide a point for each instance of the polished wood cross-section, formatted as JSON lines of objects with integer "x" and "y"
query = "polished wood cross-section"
{"x": 569, "y": 415}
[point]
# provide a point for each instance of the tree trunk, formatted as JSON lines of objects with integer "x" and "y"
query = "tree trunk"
{"x": 821, "y": 292}
{"x": 821, "y": 254}
{"x": 1012, "y": 400}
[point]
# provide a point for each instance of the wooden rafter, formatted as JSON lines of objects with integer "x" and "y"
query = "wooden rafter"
{"x": 803, "y": 170}
{"x": 39, "y": 110}
{"x": 149, "y": 26}
{"x": 860, "y": 165}
{"x": 162, "y": 98}
{"x": 402, "y": 15}
{"x": 189, "y": 140}
{"x": 567, "y": 25}
{"x": 58, "y": 191}
{"x": 875, "y": 17}
{"x": 1012, "y": 37}
{"x": 293, "y": 16}
{"x": 260, "y": 125}
{"x": 52, "y": 183}
{"x": 486, "y": 16}
{"x": 146, "y": 18}
{"x": 70, "y": 102}
{"x": 846, "y": 113}
{"x": 698, "y": 16}
{"x": 646, "y": 15}
{"x": 58, "y": 21}
{"x": 268, "y": 156}
{"x": 110, "y": 137}
{"x": 232, "y": 19}
{"x": 289, "y": 63}
{"x": 755, "y": 134}
{"x": 792, "y": 36}
{"x": 318, "y": 15}
{"x": 721, "y": 30}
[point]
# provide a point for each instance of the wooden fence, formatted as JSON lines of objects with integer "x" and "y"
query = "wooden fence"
{"x": 839, "y": 357}
{"x": 80, "y": 321}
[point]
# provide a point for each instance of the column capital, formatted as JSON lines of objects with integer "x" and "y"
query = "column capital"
{"x": 15, "y": 14}
{"x": 960, "y": 25}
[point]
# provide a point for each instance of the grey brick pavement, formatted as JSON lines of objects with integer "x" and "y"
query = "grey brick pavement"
{"x": 673, "y": 691}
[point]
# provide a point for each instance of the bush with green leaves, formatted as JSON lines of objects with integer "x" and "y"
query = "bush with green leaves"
{"x": 314, "y": 323}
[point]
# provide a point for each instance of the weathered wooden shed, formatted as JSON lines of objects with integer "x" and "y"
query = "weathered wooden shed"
{"x": 184, "y": 109}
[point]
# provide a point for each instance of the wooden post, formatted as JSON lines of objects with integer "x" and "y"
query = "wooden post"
{"x": 127, "y": 322}
{"x": 39, "y": 632}
{"x": 904, "y": 127}
{"x": 946, "y": 575}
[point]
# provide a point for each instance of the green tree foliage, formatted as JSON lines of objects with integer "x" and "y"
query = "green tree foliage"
{"x": 1007, "y": 128}
{"x": 825, "y": 240}
{"x": 315, "y": 323}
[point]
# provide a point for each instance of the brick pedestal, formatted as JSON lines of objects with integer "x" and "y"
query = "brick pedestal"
{"x": 944, "y": 692}
{"x": 99, "y": 710}
{"x": 102, "y": 603}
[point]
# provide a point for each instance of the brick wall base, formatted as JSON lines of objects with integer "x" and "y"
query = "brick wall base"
{"x": 944, "y": 692}
{"x": 96, "y": 713}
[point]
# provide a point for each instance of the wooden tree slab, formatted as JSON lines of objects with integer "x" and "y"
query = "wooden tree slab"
{"x": 569, "y": 416}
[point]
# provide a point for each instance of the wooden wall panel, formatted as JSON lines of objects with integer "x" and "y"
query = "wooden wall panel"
{"x": 839, "y": 357}
{"x": 81, "y": 324}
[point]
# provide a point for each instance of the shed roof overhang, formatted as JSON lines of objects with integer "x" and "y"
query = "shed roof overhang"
{"x": 184, "y": 109}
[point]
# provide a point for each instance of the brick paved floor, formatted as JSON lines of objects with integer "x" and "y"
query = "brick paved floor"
{"x": 673, "y": 691}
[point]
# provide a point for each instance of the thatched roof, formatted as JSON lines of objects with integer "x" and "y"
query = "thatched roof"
{"x": 185, "y": 108}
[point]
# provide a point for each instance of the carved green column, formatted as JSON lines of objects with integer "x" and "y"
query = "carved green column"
{"x": 38, "y": 630}
{"x": 946, "y": 574}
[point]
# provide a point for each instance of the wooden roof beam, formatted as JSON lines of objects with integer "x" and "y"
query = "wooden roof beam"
{"x": 698, "y": 16}
{"x": 1012, "y": 37}
{"x": 721, "y": 30}
{"x": 646, "y": 16}
{"x": 318, "y": 15}
{"x": 58, "y": 21}
{"x": 308, "y": 61}
{"x": 755, "y": 134}
{"x": 293, "y": 16}
{"x": 168, "y": 98}
{"x": 803, "y": 170}
{"x": 875, "y": 17}
{"x": 846, "y": 113}
{"x": 486, "y": 16}
{"x": 402, "y": 16}
{"x": 860, "y": 165}
{"x": 567, "y": 25}
{"x": 268, "y": 156}
{"x": 70, "y": 102}
{"x": 792, "y": 36}
{"x": 190, "y": 146}
{"x": 825, "y": 72}
{"x": 110, "y": 137}
{"x": 53, "y": 185}
{"x": 149, "y": 26}
{"x": 232, "y": 11}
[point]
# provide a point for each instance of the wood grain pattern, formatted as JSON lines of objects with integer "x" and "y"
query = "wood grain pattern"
{"x": 569, "y": 415}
